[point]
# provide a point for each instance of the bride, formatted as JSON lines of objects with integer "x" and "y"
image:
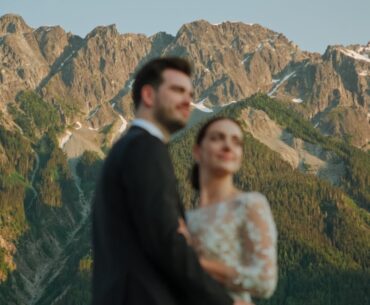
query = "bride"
{"x": 232, "y": 231}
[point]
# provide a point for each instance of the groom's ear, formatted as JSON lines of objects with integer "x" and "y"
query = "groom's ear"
{"x": 147, "y": 95}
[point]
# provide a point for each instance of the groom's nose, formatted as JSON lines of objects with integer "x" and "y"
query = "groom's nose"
{"x": 188, "y": 97}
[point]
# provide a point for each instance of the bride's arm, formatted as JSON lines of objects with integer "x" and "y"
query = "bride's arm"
{"x": 258, "y": 271}
{"x": 218, "y": 270}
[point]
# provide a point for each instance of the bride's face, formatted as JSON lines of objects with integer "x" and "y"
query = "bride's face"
{"x": 221, "y": 149}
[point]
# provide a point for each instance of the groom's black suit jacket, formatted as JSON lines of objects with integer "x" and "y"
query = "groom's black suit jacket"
{"x": 139, "y": 258}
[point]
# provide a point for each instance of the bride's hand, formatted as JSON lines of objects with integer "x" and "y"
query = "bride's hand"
{"x": 219, "y": 271}
{"x": 182, "y": 229}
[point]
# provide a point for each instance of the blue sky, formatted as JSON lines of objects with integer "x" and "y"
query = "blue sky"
{"x": 312, "y": 24}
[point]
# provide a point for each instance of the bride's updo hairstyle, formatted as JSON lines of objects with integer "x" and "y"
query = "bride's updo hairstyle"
{"x": 195, "y": 172}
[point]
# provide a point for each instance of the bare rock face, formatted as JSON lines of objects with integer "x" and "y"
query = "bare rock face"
{"x": 22, "y": 65}
{"x": 13, "y": 24}
{"x": 307, "y": 157}
{"x": 231, "y": 60}
{"x": 349, "y": 122}
{"x": 52, "y": 42}
{"x": 96, "y": 72}
{"x": 334, "y": 90}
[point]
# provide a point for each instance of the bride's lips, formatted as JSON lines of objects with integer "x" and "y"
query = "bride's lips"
{"x": 226, "y": 157}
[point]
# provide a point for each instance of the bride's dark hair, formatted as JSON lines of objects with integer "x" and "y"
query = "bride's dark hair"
{"x": 198, "y": 140}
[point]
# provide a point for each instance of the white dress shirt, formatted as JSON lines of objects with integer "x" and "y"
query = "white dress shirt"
{"x": 149, "y": 127}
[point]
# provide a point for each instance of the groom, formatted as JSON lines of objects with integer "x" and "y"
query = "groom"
{"x": 139, "y": 257}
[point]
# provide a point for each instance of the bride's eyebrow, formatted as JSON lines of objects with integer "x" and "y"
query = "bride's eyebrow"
{"x": 216, "y": 132}
{"x": 238, "y": 138}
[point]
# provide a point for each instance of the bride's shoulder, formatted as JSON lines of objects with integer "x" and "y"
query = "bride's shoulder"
{"x": 252, "y": 198}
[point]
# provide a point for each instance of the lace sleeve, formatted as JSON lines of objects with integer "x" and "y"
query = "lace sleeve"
{"x": 257, "y": 272}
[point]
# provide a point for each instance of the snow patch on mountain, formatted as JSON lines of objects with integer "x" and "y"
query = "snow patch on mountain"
{"x": 200, "y": 106}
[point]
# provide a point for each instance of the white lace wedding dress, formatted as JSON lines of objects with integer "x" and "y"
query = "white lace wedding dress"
{"x": 242, "y": 234}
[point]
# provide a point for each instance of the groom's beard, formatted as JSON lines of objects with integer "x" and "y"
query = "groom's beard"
{"x": 165, "y": 117}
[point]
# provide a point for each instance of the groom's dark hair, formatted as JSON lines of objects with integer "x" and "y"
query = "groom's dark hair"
{"x": 151, "y": 74}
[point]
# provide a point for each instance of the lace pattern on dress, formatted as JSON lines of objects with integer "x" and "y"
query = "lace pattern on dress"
{"x": 242, "y": 234}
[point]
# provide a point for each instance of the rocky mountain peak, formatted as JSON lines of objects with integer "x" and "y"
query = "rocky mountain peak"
{"x": 49, "y": 30}
{"x": 104, "y": 31}
{"x": 201, "y": 24}
{"x": 231, "y": 60}
{"x": 11, "y": 23}
{"x": 355, "y": 53}
{"x": 331, "y": 52}
{"x": 241, "y": 37}
{"x": 194, "y": 25}
{"x": 364, "y": 50}
{"x": 161, "y": 37}
{"x": 160, "y": 41}
{"x": 52, "y": 41}
{"x": 202, "y": 27}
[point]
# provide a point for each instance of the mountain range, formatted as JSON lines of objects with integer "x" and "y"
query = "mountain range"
{"x": 65, "y": 99}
